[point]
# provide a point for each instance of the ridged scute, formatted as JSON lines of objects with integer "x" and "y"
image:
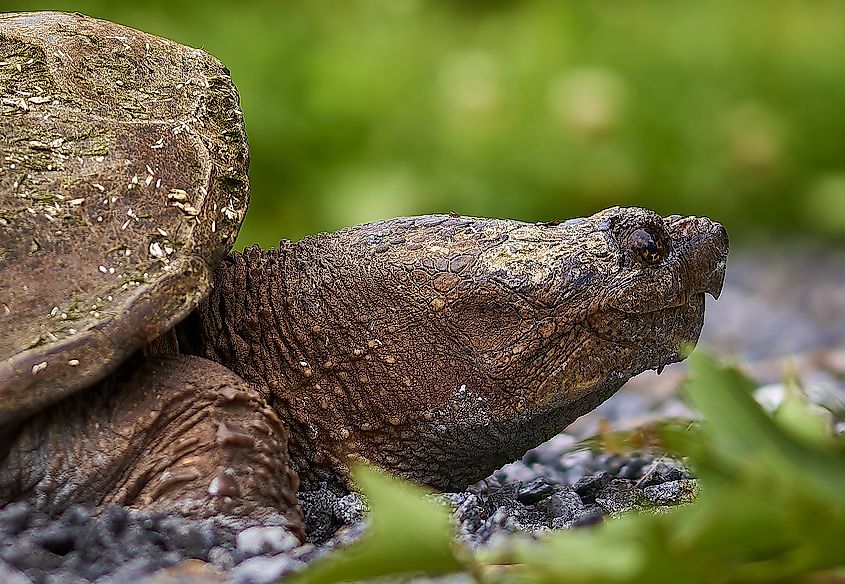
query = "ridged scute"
{"x": 123, "y": 181}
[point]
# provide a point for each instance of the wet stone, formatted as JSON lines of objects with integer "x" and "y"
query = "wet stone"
{"x": 469, "y": 512}
{"x": 516, "y": 471}
{"x": 614, "y": 464}
{"x": 195, "y": 539}
{"x": 534, "y": 491}
{"x": 326, "y": 512}
{"x": 138, "y": 567}
{"x": 56, "y": 539}
{"x": 588, "y": 487}
{"x": 134, "y": 545}
{"x": 115, "y": 519}
{"x": 222, "y": 557}
{"x": 78, "y": 546}
{"x": 76, "y": 515}
{"x": 28, "y": 555}
{"x": 351, "y": 508}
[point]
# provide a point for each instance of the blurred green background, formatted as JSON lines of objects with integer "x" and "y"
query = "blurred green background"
{"x": 364, "y": 109}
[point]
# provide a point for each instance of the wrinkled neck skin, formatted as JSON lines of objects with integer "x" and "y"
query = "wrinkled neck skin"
{"x": 439, "y": 348}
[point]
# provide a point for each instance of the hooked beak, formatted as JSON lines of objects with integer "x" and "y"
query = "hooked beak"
{"x": 711, "y": 240}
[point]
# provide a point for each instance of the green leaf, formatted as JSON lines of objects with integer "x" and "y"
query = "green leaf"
{"x": 408, "y": 533}
{"x": 745, "y": 438}
{"x": 724, "y": 397}
{"x": 599, "y": 555}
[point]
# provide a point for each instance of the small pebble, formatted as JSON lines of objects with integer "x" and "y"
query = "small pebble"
{"x": 589, "y": 486}
{"x": 265, "y": 540}
{"x": 535, "y": 491}
{"x": 564, "y": 504}
{"x": 619, "y": 495}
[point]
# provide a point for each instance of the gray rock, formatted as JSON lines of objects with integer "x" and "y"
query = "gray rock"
{"x": 516, "y": 471}
{"x": 672, "y": 492}
{"x": 351, "y": 508}
{"x": 469, "y": 512}
{"x": 618, "y": 496}
{"x": 826, "y": 398}
{"x": 222, "y": 558}
{"x": 592, "y": 515}
{"x": 588, "y": 487}
{"x": 535, "y": 491}
{"x": 265, "y": 540}
{"x": 563, "y": 506}
{"x": 632, "y": 469}
{"x": 14, "y": 518}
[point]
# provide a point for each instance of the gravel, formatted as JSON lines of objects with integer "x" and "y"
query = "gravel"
{"x": 122, "y": 545}
{"x": 773, "y": 305}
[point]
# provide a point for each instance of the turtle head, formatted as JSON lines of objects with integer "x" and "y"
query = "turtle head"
{"x": 624, "y": 291}
{"x": 595, "y": 301}
{"x": 509, "y": 331}
{"x": 441, "y": 347}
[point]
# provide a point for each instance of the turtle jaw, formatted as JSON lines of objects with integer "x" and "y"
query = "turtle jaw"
{"x": 616, "y": 346}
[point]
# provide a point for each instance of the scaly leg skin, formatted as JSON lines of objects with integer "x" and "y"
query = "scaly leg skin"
{"x": 174, "y": 434}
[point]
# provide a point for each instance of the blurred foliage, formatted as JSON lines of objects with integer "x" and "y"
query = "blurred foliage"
{"x": 771, "y": 509}
{"x": 535, "y": 109}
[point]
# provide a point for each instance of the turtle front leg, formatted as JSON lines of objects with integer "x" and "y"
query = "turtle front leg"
{"x": 175, "y": 433}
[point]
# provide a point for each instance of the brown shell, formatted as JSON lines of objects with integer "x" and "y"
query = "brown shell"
{"x": 123, "y": 181}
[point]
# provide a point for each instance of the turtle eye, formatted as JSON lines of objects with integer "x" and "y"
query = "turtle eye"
{"x": 645, "y": 247}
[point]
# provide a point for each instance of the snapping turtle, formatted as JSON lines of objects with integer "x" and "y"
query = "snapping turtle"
{"x": 143, "y": 363}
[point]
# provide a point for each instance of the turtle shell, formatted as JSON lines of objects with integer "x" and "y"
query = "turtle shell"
{"x": 123, "y": 181}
